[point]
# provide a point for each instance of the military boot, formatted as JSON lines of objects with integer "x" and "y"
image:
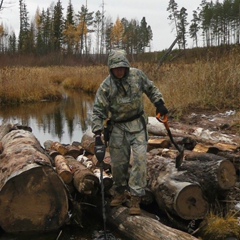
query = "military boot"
{"x": 135, "y": 208}
{"x": 118, "y": 199}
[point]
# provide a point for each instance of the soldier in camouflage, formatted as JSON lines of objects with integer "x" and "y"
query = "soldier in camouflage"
{"x": 120, "y": 98}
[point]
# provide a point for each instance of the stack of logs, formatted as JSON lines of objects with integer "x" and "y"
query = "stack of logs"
{"x": 33, "y": 181}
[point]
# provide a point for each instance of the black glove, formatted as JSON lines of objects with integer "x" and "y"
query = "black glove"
{"x": 98, "y": 133}
{"x": 160, "y": 108}
{"x": 98, "y": 140}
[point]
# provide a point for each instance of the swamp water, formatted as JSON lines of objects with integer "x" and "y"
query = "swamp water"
{"x": 65, "y": 121}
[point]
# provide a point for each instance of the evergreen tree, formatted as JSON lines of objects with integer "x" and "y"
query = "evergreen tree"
{"x": 195, "y": 27}
{"x": 173, "y": 17}
{"x": 86, "y": 21}
{"x": 108, "y": 30}
{"x": 98, "y": 30}
{"x": 182, "y": 26}
{"x": 145, "y": 35}
{"x": 69, "y": 33}
{"x": 12, "y": 48}
{"x": 58, "y": 26}
{"x": 206, "y": 15}
{"x": 2, "y": 36}
{"x": 39, "y": 35}
{"x": 24, "y": 28}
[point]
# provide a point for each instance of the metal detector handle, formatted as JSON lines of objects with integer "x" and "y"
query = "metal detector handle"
{"x": 100, "y": 152}
{"x": 163, "y": 119}
{"x": 100, "y": 148}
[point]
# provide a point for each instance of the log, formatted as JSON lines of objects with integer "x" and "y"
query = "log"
{"x": 233, "y": 157}
{"x": 182, "y": 198}
{"x": 143, "y": 227}
{"x": 187, "y": 193}
{"x": 107, "y": 179}
{"x": 198, "y": 133}
{"x": 215, "y": 148}
{"x": 171, "y": 154}
{"x": 215, "y": 174}
{"x": 203, "y": 148}
{"x": 88, "y": 142}
{"x": 86, "y": 161}
{"x": 62, "y": 169}
{"x": 74, "y": 151}
{"x": 59, "y": 148}
{"x": 4, "y": 129}
{"x": 1, "y": 147}
{"x": 32, "y": 196}
{"x": 156, "y": 142}
{"x": 83, "y": 179}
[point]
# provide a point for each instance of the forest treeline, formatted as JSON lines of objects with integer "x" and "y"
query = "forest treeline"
{"x": 84, "y": 32}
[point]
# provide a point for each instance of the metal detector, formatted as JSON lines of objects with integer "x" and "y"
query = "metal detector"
{"x": 100, "y": 150}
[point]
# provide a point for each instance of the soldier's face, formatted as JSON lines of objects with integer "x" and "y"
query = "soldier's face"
{"x": 119, "y": 72}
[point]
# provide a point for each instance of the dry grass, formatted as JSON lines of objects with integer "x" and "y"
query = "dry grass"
{"x": 20, "y": 85}
{"x": 202, "y": 84}
{"x": 219, "y": 228}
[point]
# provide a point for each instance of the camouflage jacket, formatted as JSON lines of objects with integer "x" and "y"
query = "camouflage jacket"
{"x": 122, "y": 99}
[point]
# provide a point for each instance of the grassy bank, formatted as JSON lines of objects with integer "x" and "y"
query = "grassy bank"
{"x": 212, "y": 84}
{"x": 202, "y": 84}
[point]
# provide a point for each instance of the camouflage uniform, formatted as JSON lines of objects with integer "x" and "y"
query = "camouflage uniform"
{"x": 122, "y": 101}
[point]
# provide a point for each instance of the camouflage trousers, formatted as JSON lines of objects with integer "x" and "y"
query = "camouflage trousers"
{"x": 128, "y": 160}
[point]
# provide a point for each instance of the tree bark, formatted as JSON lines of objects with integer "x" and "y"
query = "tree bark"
{"x": 62, "y": 169}
{"x": 197, "y": 133}
{"x": 88, "y": 142}
{"x": 187, "y": 192}
{"x": 143, "y": 227}
{"x": 33, "y": 197}
{"x": 183, "y": 198}
{"x": 83, "y": 179}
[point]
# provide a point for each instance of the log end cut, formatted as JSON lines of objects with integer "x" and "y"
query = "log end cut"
{"x": 34, "y": 200}
{"x": 226, "y": 175}
{"x": 190, "y": 203}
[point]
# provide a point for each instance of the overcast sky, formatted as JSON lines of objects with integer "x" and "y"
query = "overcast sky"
{"x": 155, "y": 12}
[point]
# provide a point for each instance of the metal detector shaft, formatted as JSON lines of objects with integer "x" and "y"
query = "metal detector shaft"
{"x": 103, "y": 201}
{"x": 100, "y": 154}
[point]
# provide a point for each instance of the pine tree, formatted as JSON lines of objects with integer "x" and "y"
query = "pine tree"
{"x": 195, "y": 27}
{"x": 182, "y": 26}
{"x": 98, "y": 30}
{"x": 57, "y": 26}
{"x": 86, "y": 21}
{"x": 145, "y": 35}
{"x": 24, "y": 28}
{"x": 70, "y": 32}
{"x": 12, "y": 49}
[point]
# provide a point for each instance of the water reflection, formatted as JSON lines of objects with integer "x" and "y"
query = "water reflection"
{"x": 63, "y": 121}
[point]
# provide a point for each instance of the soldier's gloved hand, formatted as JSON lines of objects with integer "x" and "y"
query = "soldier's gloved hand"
{"x": 160, "y": 108}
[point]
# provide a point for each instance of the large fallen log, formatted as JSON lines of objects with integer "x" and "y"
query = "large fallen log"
{"x": 183, "y": 198}
{"x": 198, "y": 133}
{"x": 143, "y": 227}
{"x": 32, "y": 196}
{"x": 188, "y": 192}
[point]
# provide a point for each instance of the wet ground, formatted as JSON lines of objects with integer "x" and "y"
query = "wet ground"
{"x": 92, "y": 229}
